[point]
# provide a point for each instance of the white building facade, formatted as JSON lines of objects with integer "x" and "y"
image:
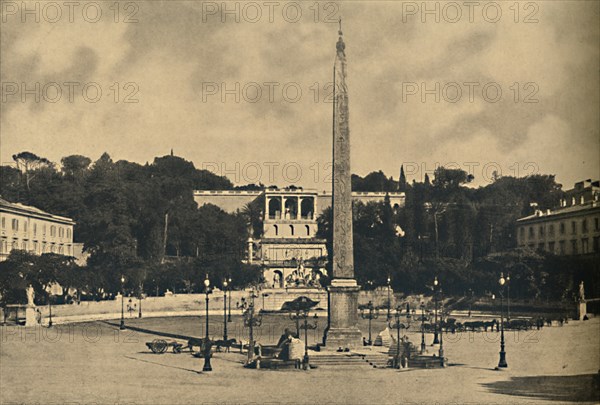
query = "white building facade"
{"x": 30, "y": 229}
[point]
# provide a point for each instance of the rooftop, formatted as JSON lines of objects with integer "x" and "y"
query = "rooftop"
{"x": 19, "y": 208}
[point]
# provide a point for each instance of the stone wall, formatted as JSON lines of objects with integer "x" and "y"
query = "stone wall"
{"x": 194, "y": 304}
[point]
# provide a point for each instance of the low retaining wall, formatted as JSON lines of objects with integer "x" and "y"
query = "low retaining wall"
{"x": 193, "y": 304}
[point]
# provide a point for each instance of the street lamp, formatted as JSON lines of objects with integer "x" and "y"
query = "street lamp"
{"x": 122, "y": 326}
{"x": 306, "y": 327}
{"x": 435, "y": 299}
{"x": 389, "y": 305}
{"x": 422, "y": 327}
{"x": 398, "y": 325}
{"x": 251, "y": 321}
{"x": 49, "y": 309}
{"x": 441, "y": 351}
{"x": 207, "y": 345}
{"x": 502, "y": 363}
{"x": 225, "y": 284}
{"x": 470, "y": 300}
{"x": 140, "y": 300}
{"x": 372, "y": 313}
{"x": 508, "y": 297}
{"x": 229, "y": 303}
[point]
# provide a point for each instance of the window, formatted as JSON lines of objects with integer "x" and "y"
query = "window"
{"x": 68, "y": 232}
{"x": 44, "y": 230}
{"x": 584, "y": 225}
{"x": 24, "y": 245}
{"x": 530, "y": 232}
{"x": 292, "y": 230}
{"x": 585, "y": 247}
{"x": 35, "y": 247}
{"x": 541, "y": 246}
{"x": 307, "y": 230}
{"x": 52, "y": 230}
{"x": 276, "y": 229}
{"x": 562, "y": 228}
{"x": 522, "y": 231}
{"x": 561, "y": 247}
{"x": 15, "y": 224}
{"x": 551, "y": 247}
{"x": 3, "y": 222}
{"x": 596, "y": 223}
{"x": 573, "y": 227}
{"x": 551, "y": 230}
{"x": 34, "y": 229}
{"x": 25, "y": 226}
{"x": 596, "y": 244}
{"x": 541, "y": 231}
{"x": 574, "y": 247}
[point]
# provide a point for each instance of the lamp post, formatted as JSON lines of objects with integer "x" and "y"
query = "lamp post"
{"x": 229, "y": 303}
{"x": 207, "y": 345}
{"x": 306, "y": 327}
{"x": 508, "y": 297}
{"x": 122, "y": 325}
{"x": 502, "y": 363}
{"x": 225, "y": 284}
{"x": 49, "y": 310}
{"x": 251, "y": 321}
{"x": 389, "y": 305}
{"x": 422, "y": 327}
{"x": 140, "y": 301}
{"x": 372, "y": 313}
{"x": 435, "y": 299}
{"x": 441, "y": 351}
{"x": 398, "y": 325}
{"x": 470, "y": 300}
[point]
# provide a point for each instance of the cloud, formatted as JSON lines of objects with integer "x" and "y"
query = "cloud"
{"x": 176, "y": 49}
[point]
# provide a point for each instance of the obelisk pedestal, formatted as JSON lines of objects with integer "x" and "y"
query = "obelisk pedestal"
{"x": 343, "y": 315}
{"x": 342, "y": 330}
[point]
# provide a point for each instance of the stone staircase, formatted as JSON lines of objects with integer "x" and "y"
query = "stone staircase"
{"x": 334, "y": 359}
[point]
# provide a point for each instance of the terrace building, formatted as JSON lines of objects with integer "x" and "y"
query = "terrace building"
{"x": 289, "y": 248}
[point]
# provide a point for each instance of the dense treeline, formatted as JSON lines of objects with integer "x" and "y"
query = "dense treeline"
{"x": 465, "y": 236}
{"x": 141, "y": 221}
{"x": 134, "y": 220}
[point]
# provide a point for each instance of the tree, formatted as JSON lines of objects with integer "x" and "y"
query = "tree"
{"x": 27, "y": 162}
{"x": 402, "y": 184}
{"x": 74, "y": 166}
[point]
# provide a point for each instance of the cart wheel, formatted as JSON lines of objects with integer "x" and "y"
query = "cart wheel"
{"x": 159, "y": 346}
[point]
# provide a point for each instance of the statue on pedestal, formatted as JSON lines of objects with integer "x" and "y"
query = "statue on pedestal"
{"x": 30, "y": 296}
{"x": 581, "y": 292}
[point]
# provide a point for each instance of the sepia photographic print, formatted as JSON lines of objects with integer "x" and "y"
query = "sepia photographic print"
{"x": 299, "y": 202}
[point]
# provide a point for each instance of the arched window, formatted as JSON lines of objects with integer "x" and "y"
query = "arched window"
{"x": 292, "y": 230}
{"x": 274, "y": 208}
{"x": 307, "y": 208}
{"x": 291, "y": 208}
{"x": 307, "y": 230}
{"x": 276, "y": 229}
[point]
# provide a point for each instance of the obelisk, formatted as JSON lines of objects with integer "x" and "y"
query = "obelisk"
{"x": 342, "y": 330}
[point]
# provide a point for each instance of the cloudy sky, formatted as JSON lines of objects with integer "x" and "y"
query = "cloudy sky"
{"x": 179, "y": 68}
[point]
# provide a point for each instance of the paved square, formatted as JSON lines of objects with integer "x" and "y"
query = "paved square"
{"x": 97, "y": 363}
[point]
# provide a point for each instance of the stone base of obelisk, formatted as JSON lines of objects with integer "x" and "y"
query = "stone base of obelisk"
{"x": 342, "y": 330}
